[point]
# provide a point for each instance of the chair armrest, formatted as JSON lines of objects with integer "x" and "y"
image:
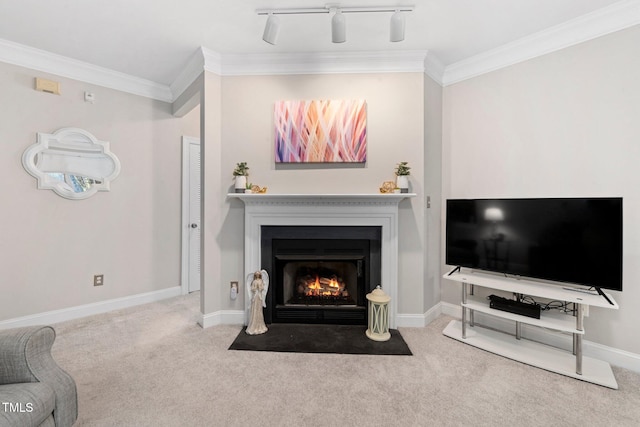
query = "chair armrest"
{"x": 25, "y": 356}
{"x": 15, "y": 344}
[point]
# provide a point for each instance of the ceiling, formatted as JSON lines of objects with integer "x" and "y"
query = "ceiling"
{"x": 154, "y": 39}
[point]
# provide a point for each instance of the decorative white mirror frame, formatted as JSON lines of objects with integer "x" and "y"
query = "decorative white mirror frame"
{"x": 72, "y": 163}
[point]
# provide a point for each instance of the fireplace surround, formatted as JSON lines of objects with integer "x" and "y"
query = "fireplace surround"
{"x": 365, "y": 210}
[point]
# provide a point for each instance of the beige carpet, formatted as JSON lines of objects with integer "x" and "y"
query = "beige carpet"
{"x": 154, "y": 366}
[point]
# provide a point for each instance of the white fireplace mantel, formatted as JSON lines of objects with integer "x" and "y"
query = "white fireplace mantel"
{"x": 326, "y": 210}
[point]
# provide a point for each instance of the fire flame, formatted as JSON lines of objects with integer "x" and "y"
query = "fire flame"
{"x": 315, "y": 289}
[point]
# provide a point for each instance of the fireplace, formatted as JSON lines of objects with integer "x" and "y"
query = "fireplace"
{"x": 377, "y": 211}
{"x": 320, "y": 274}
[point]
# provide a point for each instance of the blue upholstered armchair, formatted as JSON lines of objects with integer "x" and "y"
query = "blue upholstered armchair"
{"x": 34, "y": 390}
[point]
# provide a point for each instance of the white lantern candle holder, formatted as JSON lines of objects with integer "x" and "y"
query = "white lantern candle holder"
{"x": 378, "y": 315}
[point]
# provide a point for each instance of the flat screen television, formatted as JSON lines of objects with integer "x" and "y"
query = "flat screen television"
{"x": 570, "y": 240}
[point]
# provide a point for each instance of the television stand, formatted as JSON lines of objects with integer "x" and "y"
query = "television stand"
{"x": 569, "y": 363}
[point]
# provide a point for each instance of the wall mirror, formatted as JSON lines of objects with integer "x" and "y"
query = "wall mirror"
{"x": 72, "y": 163}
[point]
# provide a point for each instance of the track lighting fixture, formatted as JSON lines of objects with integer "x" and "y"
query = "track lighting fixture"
{"x": 271, "y": 29}
{"x": 338, "y": 28}
{"x": 338, "y": 22}
{"x": 397, "y": 27}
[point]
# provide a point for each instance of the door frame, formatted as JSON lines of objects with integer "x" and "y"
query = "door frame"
{"x": 184, "y": 219}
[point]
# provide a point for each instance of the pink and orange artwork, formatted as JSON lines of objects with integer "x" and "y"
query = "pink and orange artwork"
{"x": 321, "y": 131}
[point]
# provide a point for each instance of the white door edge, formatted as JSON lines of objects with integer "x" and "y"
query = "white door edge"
{"x": 184, "y": 219}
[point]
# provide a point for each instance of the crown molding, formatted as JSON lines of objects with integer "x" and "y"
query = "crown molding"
{"x": 36, "y": 59}
{"x": 620, "y": 15}
{"x": 203, "y": 59}
{"x": 298, "y": 63}
{"x": 190, "y": 72}
{"x": 322, "y": 63}
{"x": 212, "y": 61}
{"x": 434, "y": 68}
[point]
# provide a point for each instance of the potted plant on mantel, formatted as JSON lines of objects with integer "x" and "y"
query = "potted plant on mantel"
{"x": 402, "y": 176}
{"x": 241, "y": 172}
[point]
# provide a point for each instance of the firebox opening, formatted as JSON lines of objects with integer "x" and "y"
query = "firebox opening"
{"x": 321, "y": 282}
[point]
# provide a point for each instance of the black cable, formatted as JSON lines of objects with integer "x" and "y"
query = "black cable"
{"x": 562, "y": 306}
{"x": 551, "y": 305}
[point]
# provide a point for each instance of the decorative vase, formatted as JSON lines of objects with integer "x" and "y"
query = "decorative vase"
{"x": 241, "y": 183}
{"x": 402, "y": 182}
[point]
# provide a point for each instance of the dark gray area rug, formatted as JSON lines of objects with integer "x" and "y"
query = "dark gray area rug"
{"x": 340, "y": 339}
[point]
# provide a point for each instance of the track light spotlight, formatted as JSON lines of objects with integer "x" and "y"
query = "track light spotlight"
{"x": 397, "y": 27}
{"x": 271, "y": 29}
{"x": 338, "y": 28}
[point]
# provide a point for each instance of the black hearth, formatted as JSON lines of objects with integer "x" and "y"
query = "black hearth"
{"x": 320, "y": 274}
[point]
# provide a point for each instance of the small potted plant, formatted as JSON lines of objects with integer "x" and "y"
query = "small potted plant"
{"x": 241, "y": 172}
{"x": 402, "y": 176}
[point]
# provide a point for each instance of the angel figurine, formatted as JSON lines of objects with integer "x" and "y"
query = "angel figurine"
{"x": 257, "y": 287}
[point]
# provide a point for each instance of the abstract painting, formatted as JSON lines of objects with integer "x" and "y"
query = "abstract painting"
{"x": 321, "y": 131}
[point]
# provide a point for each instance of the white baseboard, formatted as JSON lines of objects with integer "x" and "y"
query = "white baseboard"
{"x": 432, "y": 314}
{"x": 410, "y": 320}
{"x": 236, "y": 317}
{"x": 222, "y": 317}
{"x": 56, "y": 316}
{"x": 418, "y": 320}
{"x": 613, "y": 356}
{"x": 453, "y": 310}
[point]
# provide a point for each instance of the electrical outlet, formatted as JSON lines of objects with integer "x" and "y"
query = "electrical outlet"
{"x": 98, "y": 279}
{"x": 234, "y": 289}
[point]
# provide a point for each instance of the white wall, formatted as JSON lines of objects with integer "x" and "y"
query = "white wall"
{"x": 561, "y": 125}
{"x": 51, "y": 247}
{"x": 433, "y": 189}
{"x": 213, "y": 195}
{"x": 395, "y": 133}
